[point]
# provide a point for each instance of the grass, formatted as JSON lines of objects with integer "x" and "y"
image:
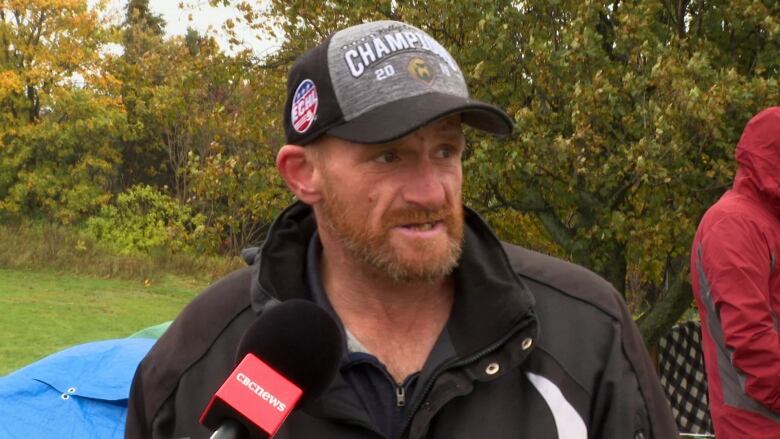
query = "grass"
{"x": 44, "y": 311}
{"x": 59, "y": 287}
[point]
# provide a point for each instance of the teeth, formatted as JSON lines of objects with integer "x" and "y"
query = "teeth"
{"x": 425, "y": 226}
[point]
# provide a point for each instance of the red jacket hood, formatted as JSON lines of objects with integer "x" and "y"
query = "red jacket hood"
{"x": 758, "y": 158}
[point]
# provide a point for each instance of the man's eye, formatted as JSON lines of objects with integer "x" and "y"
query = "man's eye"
{"x": 387, "y": 157}
{"x": 447, "y": 152}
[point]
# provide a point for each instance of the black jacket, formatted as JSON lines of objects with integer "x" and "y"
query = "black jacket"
{"x": 571, "y": 363}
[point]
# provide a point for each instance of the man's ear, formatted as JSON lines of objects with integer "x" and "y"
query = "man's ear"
{"x": 299, "y": 172}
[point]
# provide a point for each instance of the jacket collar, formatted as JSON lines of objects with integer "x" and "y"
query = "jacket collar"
{"x": 490, "y": 300}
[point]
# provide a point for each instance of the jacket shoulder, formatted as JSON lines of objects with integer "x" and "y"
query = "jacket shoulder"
{"x": 201, "y": 321}
{"x": 189, "y": 338}
{"x": 587, "y": 328}
{"x": 572, "y": 280}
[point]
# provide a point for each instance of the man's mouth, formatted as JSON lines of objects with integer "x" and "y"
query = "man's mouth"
{"x": 421, "y": 226}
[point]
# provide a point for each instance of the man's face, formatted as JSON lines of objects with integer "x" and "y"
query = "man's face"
{"x": 395, "y": 208}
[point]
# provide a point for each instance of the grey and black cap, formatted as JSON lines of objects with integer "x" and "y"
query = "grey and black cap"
{"x": 377, "y": 82}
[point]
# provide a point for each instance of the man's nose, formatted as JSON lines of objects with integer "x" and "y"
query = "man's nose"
{"x": 425, "y": 186}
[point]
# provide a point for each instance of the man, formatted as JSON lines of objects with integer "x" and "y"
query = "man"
{"x": 737, "y": 287}
{"x": 450, "y": 333}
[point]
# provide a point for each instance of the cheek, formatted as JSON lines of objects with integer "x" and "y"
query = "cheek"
{"x": 377, "y": 194}
{"x": 454, "y": 185}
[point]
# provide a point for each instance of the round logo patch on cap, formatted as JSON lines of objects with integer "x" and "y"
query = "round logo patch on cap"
{"x": 304, "y": 106}
{"x": 420, "y": 70}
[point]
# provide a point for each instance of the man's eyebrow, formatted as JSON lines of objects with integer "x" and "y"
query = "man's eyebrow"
{"x": 451, "y": 126}
{"x": 372, "y": 147}
{"x": 453, "y": 135}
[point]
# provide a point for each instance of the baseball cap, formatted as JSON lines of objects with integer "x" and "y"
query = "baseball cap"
{"x": 376, "y": 82}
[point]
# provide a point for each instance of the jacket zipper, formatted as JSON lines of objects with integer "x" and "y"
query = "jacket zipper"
{"x": 400, "y": 396}
{"x": 429, "y": 385}
{"x": 400, "y": 401}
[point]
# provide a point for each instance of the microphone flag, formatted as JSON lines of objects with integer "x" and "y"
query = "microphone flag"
{"x": 257, "y": 393}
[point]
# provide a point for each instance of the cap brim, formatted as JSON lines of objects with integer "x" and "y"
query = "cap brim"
{"x": 399, "y": 118}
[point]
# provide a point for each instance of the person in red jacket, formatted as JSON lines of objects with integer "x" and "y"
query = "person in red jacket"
{"x": 736, "y": 281}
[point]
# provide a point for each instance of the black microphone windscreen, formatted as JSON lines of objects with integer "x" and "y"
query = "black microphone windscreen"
{"x": 298, "y": 339}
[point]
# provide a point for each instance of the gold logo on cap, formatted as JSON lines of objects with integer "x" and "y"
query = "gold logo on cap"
{"x": 421, "y": 70}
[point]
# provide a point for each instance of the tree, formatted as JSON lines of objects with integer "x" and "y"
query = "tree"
{"x": 62, "y": 168}
{"x": 233, "y": 179}
{"x": 143, "y": 30}
{"x": 138, "y": 14}
{"x": 141, "y": 69}
{"x": 43, "y": 43}
{"x": 201, "y": 121}
{"x": 59, "y": 122}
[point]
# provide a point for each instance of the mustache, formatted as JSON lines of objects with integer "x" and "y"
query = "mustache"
{"x": 415, "y": 215}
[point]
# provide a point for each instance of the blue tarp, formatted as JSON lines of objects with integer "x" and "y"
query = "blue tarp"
{"x": 80, "y": 392}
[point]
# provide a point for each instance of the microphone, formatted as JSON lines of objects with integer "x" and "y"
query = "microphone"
{"x": 291, "y": 352}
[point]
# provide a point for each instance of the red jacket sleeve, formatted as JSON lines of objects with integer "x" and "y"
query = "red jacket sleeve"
{"x": 736, "y": 260}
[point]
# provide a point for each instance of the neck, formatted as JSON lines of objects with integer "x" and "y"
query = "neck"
{"x": 398, "y": 322}
{"x": 355, "y": 288}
